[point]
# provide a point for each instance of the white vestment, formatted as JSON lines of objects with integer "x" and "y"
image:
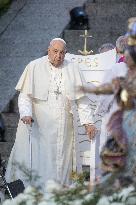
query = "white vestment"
{"x": 106, "y": 107}
{"x": 49, "y": 152}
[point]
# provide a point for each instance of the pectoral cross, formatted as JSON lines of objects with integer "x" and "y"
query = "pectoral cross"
{"x": 57, "y": 93}
{"x": 85, "y": 52}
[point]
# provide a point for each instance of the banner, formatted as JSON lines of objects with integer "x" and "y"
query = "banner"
{"x": 93, "y": 68}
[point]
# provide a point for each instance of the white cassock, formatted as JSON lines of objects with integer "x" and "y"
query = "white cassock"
{"x": 106, "y": 107}
{"x": 50, "y": 153}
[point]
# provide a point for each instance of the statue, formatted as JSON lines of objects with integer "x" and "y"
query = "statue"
{"x": 118, "y": 154}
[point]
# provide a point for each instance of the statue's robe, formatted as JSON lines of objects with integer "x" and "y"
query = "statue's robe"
{"x": 106, "y": 107}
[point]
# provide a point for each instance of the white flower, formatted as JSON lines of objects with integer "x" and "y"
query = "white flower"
{"x": 131, "y": 200}
{"x": 43, "y": 203}
{"x": 20, "y": 198}
{"x": 30, "y": 202}
{"x": 89, "y": 197}
{"x": 113, "y": 197}
{"x": 117, "y": 203}
{"x": 47, "y": 196}
{"x": 53, "y": 186}
{"x": 83, "y": 192}
{"x": 72, "y": 186}
{"x": 86, "y": 183}
{"x": 103, "y": 201}
{"x": 29, "y": 190}
{"x": 124, "y": 95}
{"x": 8, "y": 202}
{"x": 125, "y": 193}
{"x": 77, "y": 202}
{"x": 51, "y": 202}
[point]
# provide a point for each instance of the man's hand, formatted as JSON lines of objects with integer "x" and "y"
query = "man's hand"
{"x": 90, "y": 130}
{"x": 27, "y": 120}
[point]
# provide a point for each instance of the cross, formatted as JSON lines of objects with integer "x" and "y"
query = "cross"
{"x": 85, "y": 52}
{"x": 57, "y": 93}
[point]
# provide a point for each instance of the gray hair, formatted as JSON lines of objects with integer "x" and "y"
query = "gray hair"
{"x": 58, "y": 39}
{"x": 121, "y": 44}
{"x": 106, "y": 46}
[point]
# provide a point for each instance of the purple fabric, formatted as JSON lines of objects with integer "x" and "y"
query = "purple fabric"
{"x": 121, "y": 59}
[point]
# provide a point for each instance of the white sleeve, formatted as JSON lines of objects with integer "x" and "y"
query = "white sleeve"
{"x": 25, "y": 105}
{"x": 85, "y": 111}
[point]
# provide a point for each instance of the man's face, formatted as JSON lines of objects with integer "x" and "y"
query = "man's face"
{"x": 56, "y": 53}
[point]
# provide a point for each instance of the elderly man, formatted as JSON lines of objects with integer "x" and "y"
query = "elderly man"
{"x": 47, "y": 91}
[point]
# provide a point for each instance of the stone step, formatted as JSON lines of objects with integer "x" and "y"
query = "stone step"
{"x": 5, "y": 150}
{"x": 111, "y": 1}
{"x": 10, "y": 119}
{"x": 10, "y": 134}
{"x": 12, "y": 106}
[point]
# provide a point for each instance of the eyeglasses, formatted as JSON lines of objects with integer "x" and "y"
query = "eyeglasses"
{"x": 62, "y": 52}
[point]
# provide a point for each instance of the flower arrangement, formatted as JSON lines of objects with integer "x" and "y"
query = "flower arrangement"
{"x": 76, "y": 194}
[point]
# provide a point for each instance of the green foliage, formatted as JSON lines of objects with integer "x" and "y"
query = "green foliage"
{"x": 79, "y": 192}
{"x": 80, "y": 178}
{"x": 115, "y": 190}
{"x": 4, "y": 5}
